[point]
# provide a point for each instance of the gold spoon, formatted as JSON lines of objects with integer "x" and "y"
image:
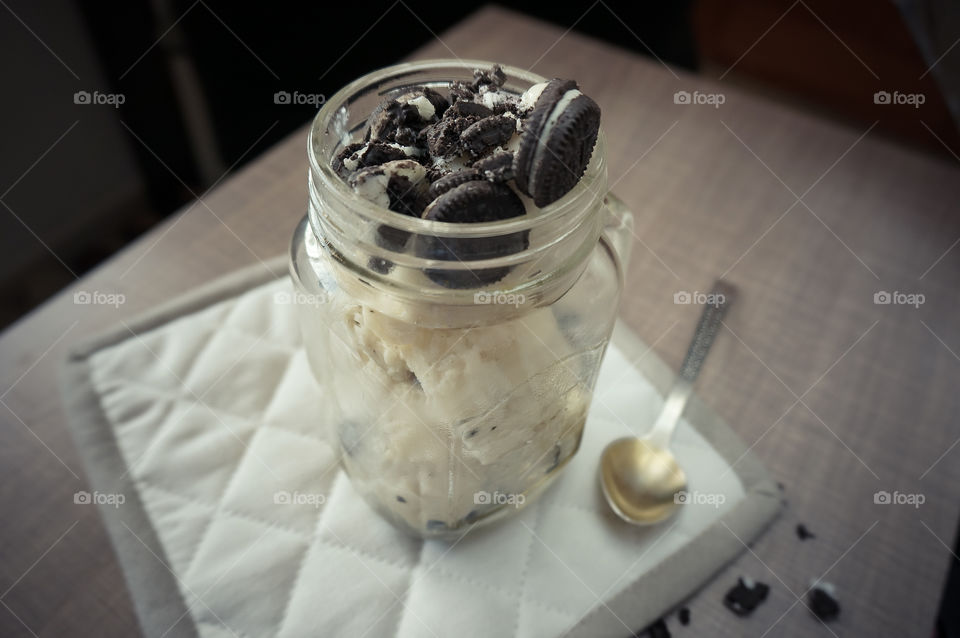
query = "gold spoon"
{"x": 640, "y": 477}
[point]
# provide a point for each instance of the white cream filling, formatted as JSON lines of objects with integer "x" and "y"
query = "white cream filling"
{"x": 544, "y": 137}
{"x": 409, "y": 151}
{"x": 372, "y": 186}
{"x": 493, "y": 99}
{"x": 529, "y": 98}
{"x": 424, "y": 107}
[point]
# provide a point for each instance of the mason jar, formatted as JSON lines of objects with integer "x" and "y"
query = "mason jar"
{"x": 454, "y": 406}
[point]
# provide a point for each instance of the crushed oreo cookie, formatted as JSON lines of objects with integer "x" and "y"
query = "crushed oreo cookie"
{"x": 487, "y": 133}
{"x": 399, "y": 185}
{"x": 469, "y": 109}
{"x": 471, "y": 202}
{"x": 475, "y": 201}
{"x": 451, "y": 181}
{"x": 745, "y": 596}
{"x": 657, "y": 630}
{"x": 461, "y": 92}
{"x": 803, "y": 533}
{"x": 822, "y": 603}
{"x": 557, "y": 142}
{"x": 494, "y": 76}
{"x": 683, "y": 615}
{"x": 401, "y": 119}
{"x": 372, "y": 153}
{"x": 497, "y": 167}
{"x": 537, "y": 144}
{"x": 346, "y": 152}
{"x": 443, "y": 138}
{"x": 380, "y": 265}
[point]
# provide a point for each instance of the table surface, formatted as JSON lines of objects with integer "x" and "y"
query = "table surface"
{"x": 841, "y": 397}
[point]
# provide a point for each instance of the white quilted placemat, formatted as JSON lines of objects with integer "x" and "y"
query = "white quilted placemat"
{"x": 238, "y": 521}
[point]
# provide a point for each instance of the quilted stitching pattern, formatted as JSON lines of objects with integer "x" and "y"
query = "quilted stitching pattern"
{"x": 216, "y": 413}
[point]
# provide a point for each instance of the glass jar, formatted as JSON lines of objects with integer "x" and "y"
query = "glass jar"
{"x": 454, "y": 406}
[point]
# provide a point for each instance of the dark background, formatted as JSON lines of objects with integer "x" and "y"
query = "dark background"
{"x": 198, "y": 79}
{"x": 80, "y": 181}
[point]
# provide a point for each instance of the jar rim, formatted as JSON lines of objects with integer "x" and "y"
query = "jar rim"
{"x": 329, "y": 179}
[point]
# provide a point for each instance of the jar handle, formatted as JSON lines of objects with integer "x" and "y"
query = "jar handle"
{"x": 618, "y": 228}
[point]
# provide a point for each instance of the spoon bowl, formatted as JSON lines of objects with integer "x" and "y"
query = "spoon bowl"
{"x": 640, "y": 481}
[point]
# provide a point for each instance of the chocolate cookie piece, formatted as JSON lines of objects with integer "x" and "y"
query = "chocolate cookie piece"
{"x": 391, "y": 238}
{"x": 398, "y": 185}
{"x": 460, "y": 91}
{"x": 822, "y": 603}
{"x": 658, "y": 629}
{"x": 430, "y": 104}
{"x": 451, "y": 181}
{"x": 472, "y": 202}
{"x": 557, "y": 142}
{"x": 372, "y": 153}
{"x": 497, "y": 167}
{"x": 380, "y": 265}
{"x": 443, "y": 138}
{"x": 493, "y": 76}
{"x": 487, "y": 133}
{"x": 389, "y": 116}
{"x": 468, "y": 109}
{"x": 406, "y": 136}
{"x": 399, "y": 119}
{"x": 498, "y": 101}
{"x": 345, "y": 152}
{"x": 434, "y": 173}
{"x": 745, "y": 596}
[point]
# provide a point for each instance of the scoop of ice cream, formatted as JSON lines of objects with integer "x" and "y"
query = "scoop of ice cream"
{"x": 495, "y": 406}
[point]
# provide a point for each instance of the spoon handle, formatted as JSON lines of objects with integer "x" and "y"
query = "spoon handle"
{"x": 719, "y": 300}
